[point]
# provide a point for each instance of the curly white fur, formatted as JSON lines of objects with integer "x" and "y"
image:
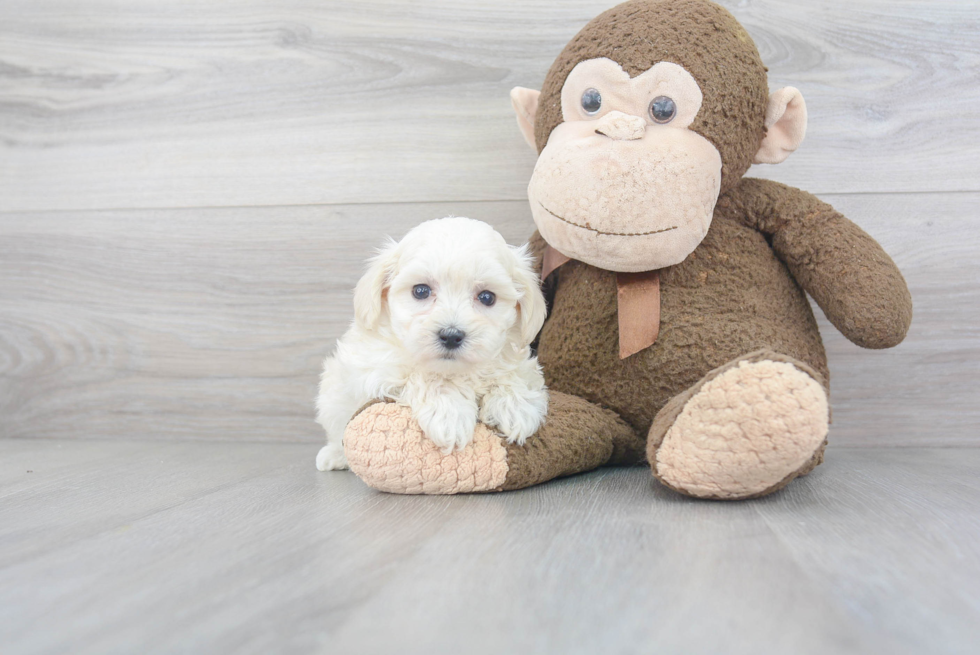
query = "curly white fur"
{"x": 393, "y": 349}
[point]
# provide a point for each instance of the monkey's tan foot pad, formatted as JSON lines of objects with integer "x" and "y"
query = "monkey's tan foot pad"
{"x": 743, "y": 433}
{"x": 386, "y": 449}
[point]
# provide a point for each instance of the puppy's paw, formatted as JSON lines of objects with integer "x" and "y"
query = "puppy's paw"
{"x": 516, "y": 414}
{"x": 331, "y": 458}
{"x": 448, "y": 424}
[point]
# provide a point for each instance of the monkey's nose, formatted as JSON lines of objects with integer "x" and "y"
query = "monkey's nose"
{"x": 620, "y": 126}
{"x": 451, "y": 337}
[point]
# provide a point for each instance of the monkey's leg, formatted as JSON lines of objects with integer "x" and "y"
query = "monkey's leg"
{"x": 386, "y": 449}
{"x": 744, "y": 430}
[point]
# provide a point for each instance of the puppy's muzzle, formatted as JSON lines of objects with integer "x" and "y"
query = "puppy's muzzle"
{"x": 451, "y": 338}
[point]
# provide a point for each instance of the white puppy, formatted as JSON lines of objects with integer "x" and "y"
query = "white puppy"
{"x": 443, "y": 321}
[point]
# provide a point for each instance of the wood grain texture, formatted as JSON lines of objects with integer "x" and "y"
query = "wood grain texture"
{"x": 111, "y": 547}
{"x": 185, "y": 323}
{"x": 212, "y": 323}
{"x": 185, "y": 104}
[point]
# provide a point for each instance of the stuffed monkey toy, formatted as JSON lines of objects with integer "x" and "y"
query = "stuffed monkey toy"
{"x": 679, "y": 333}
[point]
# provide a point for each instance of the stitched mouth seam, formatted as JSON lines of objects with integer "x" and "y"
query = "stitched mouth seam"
{"x": 608, "y": 234}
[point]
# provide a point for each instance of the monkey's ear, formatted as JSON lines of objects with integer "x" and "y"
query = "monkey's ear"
{"x": 525, "y": 103}
{"x": 370, "y": 290}
{"x": 785, "y": 126}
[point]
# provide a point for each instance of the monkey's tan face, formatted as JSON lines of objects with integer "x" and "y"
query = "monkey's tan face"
{"x": 623, "y": 183}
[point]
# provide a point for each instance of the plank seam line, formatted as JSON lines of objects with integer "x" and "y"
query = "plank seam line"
{"x": 15, "y": 212}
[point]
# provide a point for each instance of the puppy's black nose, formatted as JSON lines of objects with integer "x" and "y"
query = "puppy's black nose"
{"x": 451, "y": 337}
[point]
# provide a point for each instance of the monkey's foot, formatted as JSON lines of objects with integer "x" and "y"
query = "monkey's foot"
{"x": 745, "y": 430}
{"x": 387, "y": 449}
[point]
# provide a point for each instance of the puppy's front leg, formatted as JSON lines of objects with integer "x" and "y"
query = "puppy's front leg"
{"x": 517, "y": 406}
{"x": 445, "y": 413}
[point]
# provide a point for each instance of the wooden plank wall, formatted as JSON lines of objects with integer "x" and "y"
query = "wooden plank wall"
{"x": 187, "y": 190}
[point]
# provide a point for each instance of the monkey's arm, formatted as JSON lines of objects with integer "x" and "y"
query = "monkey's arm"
{"x": 847, "y": 273}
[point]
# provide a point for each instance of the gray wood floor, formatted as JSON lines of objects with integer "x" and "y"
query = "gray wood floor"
{"x": 111, "y": 547}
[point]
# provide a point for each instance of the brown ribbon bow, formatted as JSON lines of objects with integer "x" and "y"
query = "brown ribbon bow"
{"x": 637, "y": 301}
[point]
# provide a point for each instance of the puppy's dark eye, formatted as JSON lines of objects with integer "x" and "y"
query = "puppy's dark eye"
{"x": 487, "y": 298}
{"x": 591, "y": 101}
{"x": 421, "y": 291}
{"x": 662, "y": 109}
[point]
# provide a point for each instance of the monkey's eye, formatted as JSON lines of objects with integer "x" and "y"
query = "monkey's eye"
{"x": 421, "y": 291}
{"x": 591, "y": 101}
{"x": 487, "y": 298}
{"x": 662, "y": 109}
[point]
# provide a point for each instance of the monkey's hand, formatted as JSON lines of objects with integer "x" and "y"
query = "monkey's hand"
{"x": 847, "y": 273}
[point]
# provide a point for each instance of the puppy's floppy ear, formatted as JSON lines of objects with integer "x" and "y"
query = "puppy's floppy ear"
{"x": 531, "y": 304}
{"x": 370, "y": 289}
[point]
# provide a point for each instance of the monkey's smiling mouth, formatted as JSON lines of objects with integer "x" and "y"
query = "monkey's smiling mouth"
{"x": 612, "y": 234}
